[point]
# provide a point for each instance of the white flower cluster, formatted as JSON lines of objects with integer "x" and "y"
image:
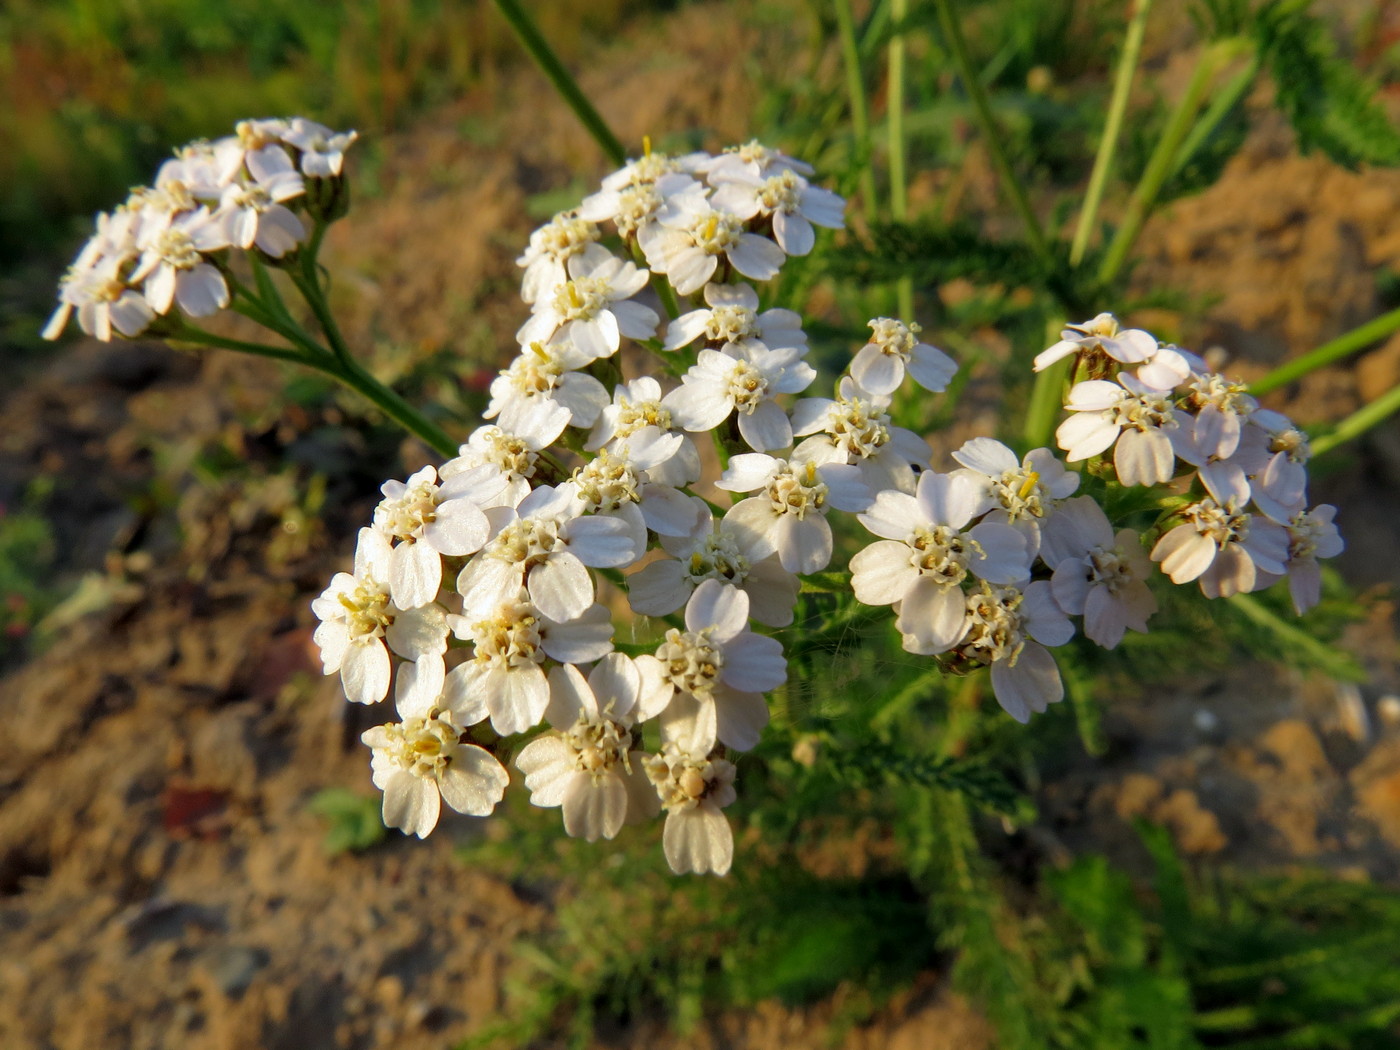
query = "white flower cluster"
{"x": 168, "y": 244}
{"x": 475, "y": 591}
{"x": 1173, "y": 421}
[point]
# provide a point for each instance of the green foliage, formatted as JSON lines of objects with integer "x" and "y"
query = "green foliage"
{"x": 27, "y": 590}
{"x": 1333, "y": 108}
{"x": 627, "y": 938}
{"x": 353, "y": 823}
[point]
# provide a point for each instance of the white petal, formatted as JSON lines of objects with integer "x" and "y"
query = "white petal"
{"x": 561, "y": 587}
{"x": 474, "y": 782}
{"x": 411, "y": 804}
{"x": 364, "y": 672}
{"x": 698, "y": 841}
{"x": 415, "y": 574}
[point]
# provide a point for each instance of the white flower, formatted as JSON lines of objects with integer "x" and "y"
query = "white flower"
{"x": 511, "y": 642}
{"x": 514, "y": 452}
{"x": 1021, "y": 493}
{"x": 1129, "y": 346}
{"x": 789, "y": 518}
{"x": 617, "y": 484}
{"x": 104, "y": 302}
{"x": 359, "y": 618}
{"x": 787, "y": 199}
{"x": 743, "y": 380}
{"x": 715, "y": 550}
{"x": 547, "y": 551}
{"x": 174, "y": 268}
{"x": 1098, "y": 575}
{"x": 322, "y": 150}
{"x": 1224, "y": 547}
{"x": 753, "y": 159}
{"x": 925, "y": 556}
{"x": 420, "y": 763}
{"x": 693, "y": 789}
{"x": 427, "y": 520}
{"x": 688, "y": 238}
{"x": 588, "y": 767}
{"x": 733, "y": 318}
{"x": 1280, "y": 487}
{"x": 249, "y": 138}
{"x": 637, "y": 414}
{"x": 1221, "y": 408}
{"x": 707, "y": 682}
{"x": 253, "y": 212}
{"x": 894, "y": 348}
{"x": 632, "y": 197}
{"x": 551, "y": 247}
{"x": 546, "y": 372}
{"x": 593, "y": 309}
{"x": 1005, "y": 630}
{"x": 1132, "y": 416}
{"x": 856, "y": 428}
{"x": 1311, "y": 535}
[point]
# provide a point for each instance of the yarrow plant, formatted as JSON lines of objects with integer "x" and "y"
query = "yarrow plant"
{"x": 654, "y": 449}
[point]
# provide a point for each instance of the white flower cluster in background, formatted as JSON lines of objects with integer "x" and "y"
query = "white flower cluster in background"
{"x": 484, "y": 591}
{"x": 1173, "y": 421}
{"x": 168, "y": 245}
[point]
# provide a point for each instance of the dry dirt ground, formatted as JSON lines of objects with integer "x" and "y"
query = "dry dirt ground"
{"x": 162, "y": 883}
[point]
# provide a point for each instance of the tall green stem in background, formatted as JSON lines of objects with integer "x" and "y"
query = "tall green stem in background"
{"x": 1343, "y": 346}
{"x": 992, "y": 135}
{"x": 1160, "y": 164}
{"x": 1360, "y": 421}
{"x": 563, "y": 82}
{"x": 899, "y": 187}
{"x": 1108, "y": 143}
{"x": 860, "y": 110}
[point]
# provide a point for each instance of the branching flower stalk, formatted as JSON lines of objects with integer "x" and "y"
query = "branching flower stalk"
{"x": 474, "y": 597}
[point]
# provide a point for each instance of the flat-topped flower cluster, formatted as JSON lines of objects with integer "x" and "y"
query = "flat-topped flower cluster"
{"x": 479, "y": 578}
{"x": 168, "y": 245}
{"x": 700, "y": 490}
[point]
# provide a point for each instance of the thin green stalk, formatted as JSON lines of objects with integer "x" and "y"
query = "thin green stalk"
{"x": 563, "y": 82}
{"x": 294, "y": 335}
{"x": 1144, "y": 197}
{"x": 898, "y": 146}
{"x": 1108, "y": 143}
{"x": 188, "y": 333}
{"x": 1360, "y": 421}
{"x": 1045, "y": 403}
{"x": 392, "y": 405}
{"x": 952, "y": 33}
{"x": 1047, "y": 398}
{"x": 1337, "y": 663}
{"x": 1223, "y": 101}
{"x": 855, "y": 91}
{"x": 1344, "y": 345}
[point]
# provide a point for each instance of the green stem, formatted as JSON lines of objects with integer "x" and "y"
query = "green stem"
{"x": 293, "y": 334}
{"x": 1159, "y": 165}
{"x": 1220, "y": 106}
{"x": 1046, "y": 400}
{"x": 565, "y": 84}
{"x": 1343, "y": 346}
{"x": 392, "y": 405}
{"x": 992, "y": 135}
{"x": 855, "y": 91}
{"x": 1338, "y": 664}
{"x": 1360, "y": 421}
{"x": 898, "y": 146}
{"x": 1108, "y": 144}
{"x": 192, "y": 334}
